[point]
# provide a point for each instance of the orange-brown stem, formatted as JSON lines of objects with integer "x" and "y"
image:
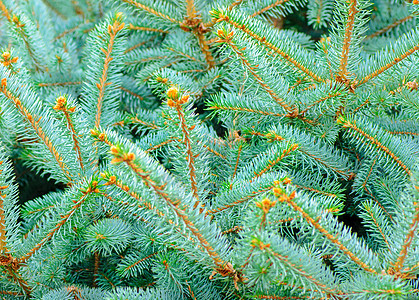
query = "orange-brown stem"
{"x": 2, "y": 221}
{"x": 140, "y": 261}
{"x": 189, "y": 154}
{"x": 271, "y": 164}
{"x": 388, "y": 66}
{"x": 46, "y": 84}
{"x": 151, "y": 11}
{"x": 237, "y": 160}
{"x": 74, "y": 137}
{"x": 376, "y": 143}
{"x": 140, "y": 28}
{"x": 408, "y": 240}
{"x": 347, "y": 39}
{"x": 96, "y": 268}
{"x": 370, "y": 213}
{"x": 5, "y": 11}
{"x": 389, "y": 27}
{"x": 261, "y": 11}
{"x": 131, "y": 93}
{"x": 237, "y": 202}
{"x": 113, "y": 31}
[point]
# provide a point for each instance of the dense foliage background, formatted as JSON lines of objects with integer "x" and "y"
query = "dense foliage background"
{"x": 196, "y": 149}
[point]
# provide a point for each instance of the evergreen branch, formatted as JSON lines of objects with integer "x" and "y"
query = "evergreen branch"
{"x": 151, "y": 11}
{"x": 347, "y": 39}
{"x": 5, "y": 11}
{"x": 10, "y": 293}
{"x": 190, "y": 9}
{"x": 270, "y": 6}
{"x": 179, "y": 212}
{"x": 378, "y": 203}
{"x": 96, "y": 268}
{"x": 403, "y": 133}
{"x": 364, "y": 184}
{"x": 23, "y": 31}
{"x": 140, "y": 261}
{"x": 302, "y": 288}
{"x": 409, "y": 238}
{"x": 237, "y": 162}
{"x": 2, "y": 219}
{"x": 57, "y": 227}
{"x": 131, "y": 93}
{"x": 175, "y": 204}
{"x": 282, "y": 197}
{"x": 27, "y": 116}
{"x": 183, "y": 54}
{"x": 141, "y": 28}
{"x": 132, "y": 48}
{"x": 362, "y": 105}
{"x": 48, "y": 84}
{"x": 271, "y": 164}
{"x": 384, "y": 68}
{"x": 113, "y": 31}
{"x": 214, "y": 152}
{"x": 307, "y": 188}
{"x": 155, "y": 147}
{"x": 62, "y": 106}
{"x": 240, "y": 201}
{"x": 245, "y": 109}
{"x": 299, "y": 270}
{"x": 377, "y": 225}
{"x": 346, "y": 123}
{"x": 12, "y": 265}
{"x": 199, "y": 29}
{"x": 190, "y": 156}
{"x": 324, "y": 45}
{"x": 320, "y": 101}
{"x": 127, "y": 190}
{"x": 111, "y": 180}
{"x": 303, "y": 148}
{"x": 203, "y": 44}
{"x": 266, "y": 41}
{"x": 281, "y": 297}
{"x": 230, "y": 7}
{"x": 135, "y": 120}
{"x": 54, "y": 9}
{"x": 67, "y": 31}
{"x": 389, "y": 27}
{"x": 251, "y": 69}
{"x": 234, "y": 229}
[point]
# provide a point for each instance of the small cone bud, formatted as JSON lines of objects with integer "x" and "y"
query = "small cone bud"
{"x": 114, "y": 150}
{"x": 173, "y": 93}
{"x": 287, "y": 180}
{"x": 6, "y": 55}
{"x": 171, "y": 103}
{"x": 131, "y": 156}
{"x": 184, "y": 99}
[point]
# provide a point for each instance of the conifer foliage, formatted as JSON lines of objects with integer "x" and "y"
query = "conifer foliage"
{"x": 210, "y": 149}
